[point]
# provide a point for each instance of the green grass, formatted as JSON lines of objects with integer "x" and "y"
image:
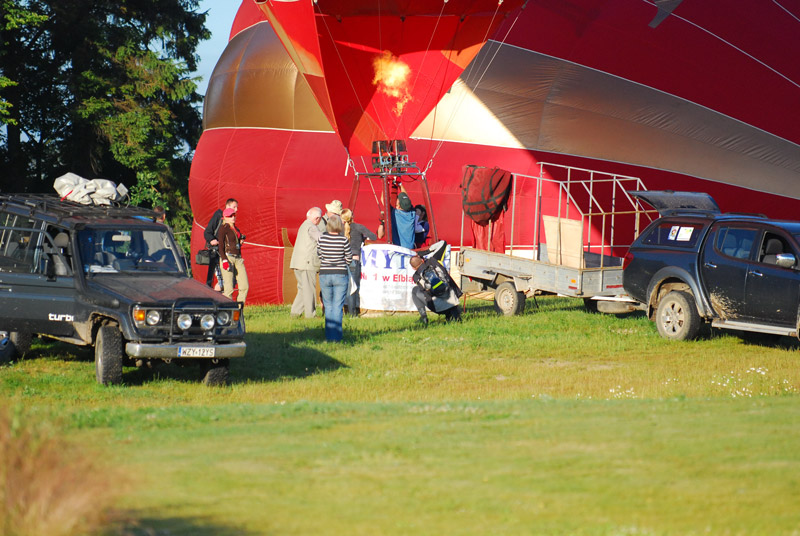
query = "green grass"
{"x": 554, "y": 422}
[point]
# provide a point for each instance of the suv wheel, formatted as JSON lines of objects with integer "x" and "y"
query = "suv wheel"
{"x": 6, "y": 349}
{"x": 216, "y": 373}
{"x": 22, "y": 341}
{"x": 108, "y": 355}
{"x": 677, "y": 317}
{"x": 507, "y": 301}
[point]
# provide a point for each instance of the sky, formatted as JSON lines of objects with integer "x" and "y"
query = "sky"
{"x": 219, "y": 21}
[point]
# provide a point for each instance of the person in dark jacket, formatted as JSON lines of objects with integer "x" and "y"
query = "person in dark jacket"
{"x": 210, "y": 234}
{"x": 357, "y": 234}
{"x": 421, "y": 226}
{"x": 230, "y": 240}
{"x": 434, "y": 289}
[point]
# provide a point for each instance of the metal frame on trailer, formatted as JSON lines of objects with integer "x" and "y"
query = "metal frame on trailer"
{"x": 600, "y": 195}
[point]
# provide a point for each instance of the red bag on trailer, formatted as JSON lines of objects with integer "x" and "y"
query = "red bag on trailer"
{"x": 484, "y": 197}
{"x": 484, "y": 192}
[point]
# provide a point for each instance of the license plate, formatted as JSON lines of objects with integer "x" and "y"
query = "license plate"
{"x": 195, "y": 351}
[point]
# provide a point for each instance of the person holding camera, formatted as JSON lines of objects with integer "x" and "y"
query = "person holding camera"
{"x": 434, "y": 289}
{"x": 230, "y": 240}
{"x": 212, "y": 245}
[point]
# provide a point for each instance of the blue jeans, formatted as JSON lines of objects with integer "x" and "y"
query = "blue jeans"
{"x": 333, "y": 288}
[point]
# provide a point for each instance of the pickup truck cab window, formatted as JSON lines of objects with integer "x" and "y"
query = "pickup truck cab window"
{"x": 773, "y": 245}
{"x": 735, "y": 242}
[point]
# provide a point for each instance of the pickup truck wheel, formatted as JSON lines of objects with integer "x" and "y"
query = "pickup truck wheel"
{"x": 217, "y": 373}
{"x": 677, "y": 317}
{"x": 108, "y": 355}
{"x": 507, "y": 300}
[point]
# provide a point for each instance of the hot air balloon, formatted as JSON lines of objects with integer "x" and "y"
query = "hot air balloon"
{"x": 671, "y": 92}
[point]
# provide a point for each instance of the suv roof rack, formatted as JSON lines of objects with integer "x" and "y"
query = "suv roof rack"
{"x": 54, "y": 205}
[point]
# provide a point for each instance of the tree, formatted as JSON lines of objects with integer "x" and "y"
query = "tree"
{"x": 101, "y": 88}
{"x": 12, "y": 17}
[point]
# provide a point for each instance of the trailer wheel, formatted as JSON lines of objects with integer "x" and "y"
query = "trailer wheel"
{"x": 507, "y": 300}
{"x": 676, "y": 317}
{"x": 108, "y": 355}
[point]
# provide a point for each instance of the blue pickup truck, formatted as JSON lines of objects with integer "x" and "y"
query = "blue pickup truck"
{"x": 695, "y": 266}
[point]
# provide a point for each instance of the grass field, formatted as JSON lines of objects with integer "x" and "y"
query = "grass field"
{"x": 555, "y": 422}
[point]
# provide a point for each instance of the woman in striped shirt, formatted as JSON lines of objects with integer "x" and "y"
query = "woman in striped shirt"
{"x": 334, "y": 253}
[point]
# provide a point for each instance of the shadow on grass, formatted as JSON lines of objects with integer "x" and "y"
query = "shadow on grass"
{"x": 42, "y": 347}
{"x": 272, "y": 356}
{"x": 178, "y": 525}
{"x": 763, "y": 339}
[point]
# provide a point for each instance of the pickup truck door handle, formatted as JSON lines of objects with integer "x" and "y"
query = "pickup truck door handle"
{"x": 755, "y": 272}
{"x": 710, "y": 265}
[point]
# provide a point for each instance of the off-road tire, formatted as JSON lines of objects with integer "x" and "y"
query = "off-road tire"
{"x": 507, "y": 300}
{"x": 677, "y": 318}
{"x": 108, "y": 354}
{"x": 216, "y": 374}
{"x": 6, "y": 351}
{"x": 22, "y": 342}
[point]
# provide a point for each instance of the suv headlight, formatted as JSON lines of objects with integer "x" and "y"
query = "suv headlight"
{"x": 223, "y": 318}
{"x": 207, "y": 321}
{"x": 147, "y": 317}
{"x": 153, "y": 317}
{"x": 184, "y": 321}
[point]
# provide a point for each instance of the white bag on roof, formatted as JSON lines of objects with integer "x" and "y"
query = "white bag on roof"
{"x": 73, "y": 187}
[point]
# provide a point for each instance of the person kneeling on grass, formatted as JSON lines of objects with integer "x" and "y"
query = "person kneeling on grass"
{"x": 434, "y": 289}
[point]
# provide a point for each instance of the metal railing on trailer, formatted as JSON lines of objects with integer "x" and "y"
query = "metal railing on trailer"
{"x": 575, "y": 217}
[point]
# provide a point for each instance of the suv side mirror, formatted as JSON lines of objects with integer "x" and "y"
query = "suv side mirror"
{"x": 786, "y": 260}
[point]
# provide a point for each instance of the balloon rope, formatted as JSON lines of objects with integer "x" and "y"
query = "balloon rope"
{"x": 475, "y": 88}
{"x": 377, "y": 202}
{"x": 709, "y": 32}
{"x": 344, "y": 68}
{"x": 786, "y": 10}
{"x": 422, "y": 63}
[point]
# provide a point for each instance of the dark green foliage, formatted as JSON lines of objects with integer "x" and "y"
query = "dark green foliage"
{"x": 101, "y": 89}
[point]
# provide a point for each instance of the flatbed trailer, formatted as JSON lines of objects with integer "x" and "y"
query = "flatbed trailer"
{"x": 580, "y": 219}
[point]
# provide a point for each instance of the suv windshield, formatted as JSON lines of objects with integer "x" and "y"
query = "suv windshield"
{"x": 128, "y": 250}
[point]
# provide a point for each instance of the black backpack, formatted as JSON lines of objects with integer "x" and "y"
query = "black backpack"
{"x": 439, "y": 287}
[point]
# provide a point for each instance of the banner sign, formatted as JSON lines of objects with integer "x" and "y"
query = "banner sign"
{"x": 387, "y": 277}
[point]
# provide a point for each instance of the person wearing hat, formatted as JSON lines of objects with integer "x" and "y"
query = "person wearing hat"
{"x": 334, "y": 207}
{"x": 305, "y": 263}
{"x": 230, "y": 240}
{"x": 404, "y": 219}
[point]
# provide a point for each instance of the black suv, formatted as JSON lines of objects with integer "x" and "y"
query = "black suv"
{"x": 695, "y": 265}
{"x": 108, "y": 276}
